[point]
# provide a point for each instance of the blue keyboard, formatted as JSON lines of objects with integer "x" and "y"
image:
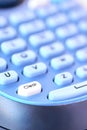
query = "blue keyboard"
{"x": 43, "y": 53}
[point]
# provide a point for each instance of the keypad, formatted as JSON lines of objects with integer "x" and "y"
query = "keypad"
{"x": 43, "y": 53}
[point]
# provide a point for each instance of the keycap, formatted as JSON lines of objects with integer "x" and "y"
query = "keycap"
{"x": 41, "y": 38}
{"x": 3, "y": 64}
{"x": 7, "y": 33}
{"x": 31, "y": 27}
{"x": 82, "y": 25}
{"x": 35, "y": 70}
{"x": 81, "y": 54}
{"x": 29, "y": 89}
{"x": 81, "y": 71}
{"x": 62, "y": 62}
{"x": 3, "y": 21}
{"x": 43, "y": 12}
{"x": 51, "y": 50}
{"x": 13, "y": 46}
{"x": 56, "y": 20}
{"x": 69, "y": 92}
{"x": 8, "y": 77}
{"x": 76, "y": 42}
{"x": 63, "y": 79}
{"x": 77, "y": 14}
{"x": 66, "y": 31}
{"x": 66, "y": 6}
{"x": 23, "y": 58}
{"x": 18, "y": 18}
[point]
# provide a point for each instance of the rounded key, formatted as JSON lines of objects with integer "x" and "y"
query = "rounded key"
{"x": 12, "y": 46}
{"x": 23, "y": 58}
{"x": 18, "y": 18}
{"x": 7, "y": 33}
{"x": 31, "y": 27}
{"x": 69, "y": 92}
{"x": 63, "y": 79}
{"x": 56, "y": 20}
{"x": 66, "y": 31}
{"x": 76, "y": 42}
{"x": 77, "y": 14}
{"x": 35, "y": 70}
{"x": 66, "y": 6}
{"x": 3, "y": 21}
{"x": 62, "y": 62}
{"x": 41, "y": 38}
{"x": 82, "y": 25}
{"x": 51, "y": 50}
{"x": 29, "y": 89}
{"x": 81, "y": 72}
{"x": 3, "y": 64}
{"x": 8, "y": 77}
{"x": 82, "y": 55}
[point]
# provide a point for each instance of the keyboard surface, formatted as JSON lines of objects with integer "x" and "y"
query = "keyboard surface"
{"x": 43, "y": 54}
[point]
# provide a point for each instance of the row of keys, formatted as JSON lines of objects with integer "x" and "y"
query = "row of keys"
{"x": 33, "y": 88}
{"x": 65, "y": 93}
{"x": 24, "y": 58}
{"x": 60, "y": 18}
{"x": 40, "y": 39}
{"x": 61, "y": 79}
{"x": 45, "y": 36}
{"x": 30, "y": 27}
{"x": 29, "y": 56}
{"x": 47, "y": 51}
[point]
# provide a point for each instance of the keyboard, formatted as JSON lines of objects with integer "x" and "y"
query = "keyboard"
{"x": 43, "y": 54}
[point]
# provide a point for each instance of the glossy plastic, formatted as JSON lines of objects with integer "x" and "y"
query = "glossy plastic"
{"x": 38, "y": 113}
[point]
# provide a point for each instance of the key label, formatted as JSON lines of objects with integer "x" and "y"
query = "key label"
{"x": 29, "y": 89}
{"x": 7, "y": 74}
{"x": 77, "y": 87}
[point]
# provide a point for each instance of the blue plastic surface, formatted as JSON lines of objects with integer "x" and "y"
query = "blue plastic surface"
{"x": 60, "y": 34}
